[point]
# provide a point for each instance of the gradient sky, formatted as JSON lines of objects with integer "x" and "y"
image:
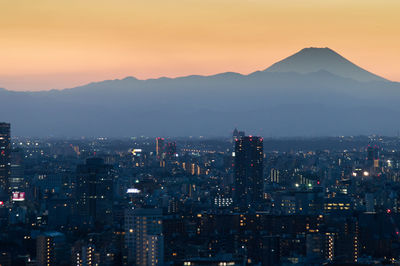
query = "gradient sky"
{"x": 47, "y": 44}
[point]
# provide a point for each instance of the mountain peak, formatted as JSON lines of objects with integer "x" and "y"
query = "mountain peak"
{"x": 313, "y": 59}
{"x": 324, "y": 49}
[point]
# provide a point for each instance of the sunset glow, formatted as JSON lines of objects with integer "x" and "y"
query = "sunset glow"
{"x": 49, "y": 44}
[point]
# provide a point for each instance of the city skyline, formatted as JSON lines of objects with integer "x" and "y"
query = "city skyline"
{"x": 199, "y": 132}
{"x": 61, "y": 44}
{"x": 239, "y": 200}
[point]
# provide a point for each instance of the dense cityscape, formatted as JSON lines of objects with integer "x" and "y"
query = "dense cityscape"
{"x": 234, "y": 200}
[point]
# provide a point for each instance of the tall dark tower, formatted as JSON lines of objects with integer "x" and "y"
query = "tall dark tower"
{"x": 95, "y": 191}
{"x": 248, "y": 173}
{"x": 373, "y": 156}
{"x": 5, "y": 156}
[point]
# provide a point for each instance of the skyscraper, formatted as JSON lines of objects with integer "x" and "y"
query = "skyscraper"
{"x": 248, "y": 164}
{"x": 373, "y": 156}
{"x": 160, "y": 147}
{"x": 171, "y": 150}
{"x": 143, "y": 236}
{"x": 95, "y": 191}
{"x": 237, "y": 134}
{"x": 5, "y": 156}
{"x": 50, "y": 248}
{"x": 16, "y": 179}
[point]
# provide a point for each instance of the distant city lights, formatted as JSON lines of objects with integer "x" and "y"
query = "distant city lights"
{"x": 133, "y": 191}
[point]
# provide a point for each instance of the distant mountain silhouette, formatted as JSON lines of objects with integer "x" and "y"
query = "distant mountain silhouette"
{"x": 315, "y": 98}
{"x": 314, "y": 59}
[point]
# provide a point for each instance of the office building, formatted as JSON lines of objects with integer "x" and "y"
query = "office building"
{"x": 50, "y": 249}
{"x": 143, "y": 236}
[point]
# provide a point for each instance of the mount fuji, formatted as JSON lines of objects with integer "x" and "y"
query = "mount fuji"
{"x": 315, "y": 92}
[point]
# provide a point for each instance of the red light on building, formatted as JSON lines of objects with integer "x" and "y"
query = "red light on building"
{"x": 18, "y": 196}
{"x": 388, "y": 211}
{"x": 1, "y": 203}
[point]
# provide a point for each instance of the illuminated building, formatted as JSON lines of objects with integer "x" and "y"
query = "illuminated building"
{"x": 155, "y": 249}
{"x": 49, "y": 247}
{"x": 237, "y": 134}
{"x": 222, "y": 201}
{"x": 274, "y": 176}
{"x": 171, "y": 150}
{"x": 17, "y": 180}
{"x": 248, "y": 164}
{"x": 143, "y": 236}
{"x": 288, "y": 204}
{"x": 338, "y": 205}
{"x": 329, "y": 246}
{"x": 160, "y": 147}
{"x": 84, "y": 253}
{"x": 321, "y": 246}
{"x": 342, "y": 240}
{"x": 5, "y": 156}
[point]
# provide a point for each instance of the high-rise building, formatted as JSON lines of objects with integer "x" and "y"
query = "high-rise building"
{"x": 95, "y": 191}
{"x": 248, "y": 164}
{"x": 171, "y": 150}
{"x": 5, "y": 156}
{"x": 17, "y": 180}
{"x": 237, "y": 134}
{"x": 143, "y": 236}
{"x": 160, "y": 147}
{"x": 83, "y": 254}
{"x": 373, "y": 156}
{"x": 50, "y": 249}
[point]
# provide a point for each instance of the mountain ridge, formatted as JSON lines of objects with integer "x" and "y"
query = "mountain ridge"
{"x": 310, "y": 52}
{"x": 266, "y": 103}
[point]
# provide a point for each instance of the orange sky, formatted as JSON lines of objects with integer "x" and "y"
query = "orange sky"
{"x": 47, "y": 44}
